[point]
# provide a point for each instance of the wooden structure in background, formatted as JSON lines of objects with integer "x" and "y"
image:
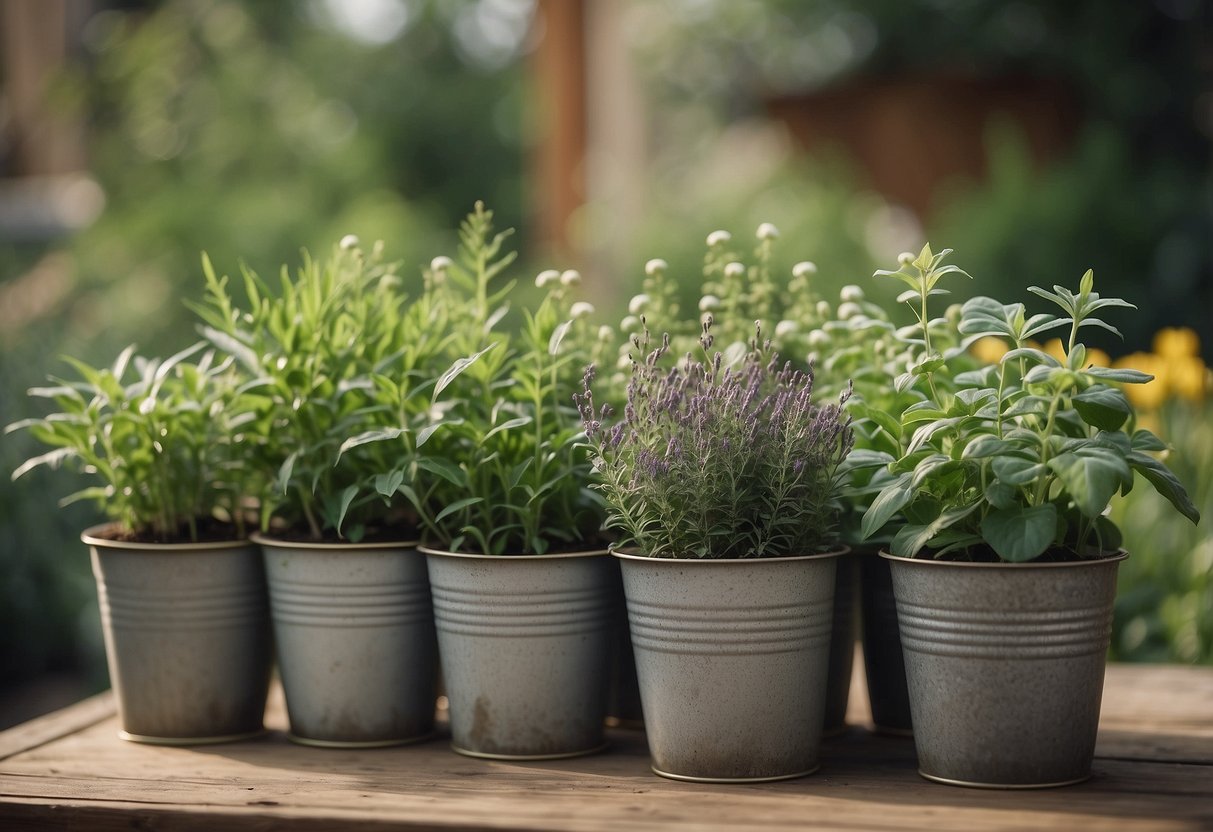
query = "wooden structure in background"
{"x": 1153, "y": 771}
{"x": 559, "y": 77}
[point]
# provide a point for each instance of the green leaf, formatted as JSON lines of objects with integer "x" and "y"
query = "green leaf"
{"x": 284, "y": 472}
{"x": 1001, "y": 495}
{"x": 1165, "y": 483}
{"x": 386, "y": 484}
{"x": 1121, "y": 376}
{"x": 1144, "y": 440}
{"x": 558, "y": 336}
{"x": 426, "y": 432}
{"x": 1090, "y": 478}
{"x": 1103, "y": 407}
{"x": 1016, "y": 471}
{"x": 910, "y": 539}
{"x": 457, "y": 368}
{"x": 458, "y": 505}
{"x": 887, "y": 503}
{"x": 1021, "y": 533}
{"x": 444, "y": 468}
{"x": 517, "y": 422}
{"x": 96, "y": 492}
{"x": 51, "y": 458}
{"x": 347, "y": 497}
{"x": 366, "y": 437}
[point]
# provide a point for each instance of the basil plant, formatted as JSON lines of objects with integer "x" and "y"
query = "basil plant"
{"x": 1016, "y": 461}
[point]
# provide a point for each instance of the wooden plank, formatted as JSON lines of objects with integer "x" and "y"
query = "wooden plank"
{"x": 85, "y": 778}
{"x": 52, "y": 726}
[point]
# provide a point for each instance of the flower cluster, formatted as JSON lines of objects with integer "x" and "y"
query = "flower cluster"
{"x": 715, "y": 461}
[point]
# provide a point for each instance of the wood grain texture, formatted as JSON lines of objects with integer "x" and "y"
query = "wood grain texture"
{"x": 1152, "y": 774}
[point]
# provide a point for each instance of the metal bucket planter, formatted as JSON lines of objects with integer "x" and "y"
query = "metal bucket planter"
{"x": 187, "y": 638}
{"x": 732, "y": 657}
{"x": 355, "y": 637}
{"x": 525, "y": 642}
{"x": 1005, "y": 665}
{"x": 843, "y": 635}
{"x": 883, "y": 664}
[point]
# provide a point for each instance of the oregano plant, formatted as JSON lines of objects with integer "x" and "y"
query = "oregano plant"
{"x": 1016, "y": 461}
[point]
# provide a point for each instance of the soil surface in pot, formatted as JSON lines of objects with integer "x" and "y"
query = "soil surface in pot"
{"x": 209, "y": 530}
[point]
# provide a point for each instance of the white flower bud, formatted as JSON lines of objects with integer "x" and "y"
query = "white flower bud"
{"x": 546, "y": 276}
{"x": 952, "y": 313}
{"x": 570, "y": 277}
{"x": 624, "y": 361}
{"x": 819, "y": 338}
{"x": 823, "y": 309}
{"x": 851, "y": 293}
{"x": 805, "y": 268}
{"x": 719, "y": 238}
{"x": 349, "y": 241}
{"x": 638, "y": 303}
{"x": 655, "y": 266}
{"x": 849, "y": 310}
{"x": 709, "y": 302}
{"x": 630, "y": 324}
{"x": 441, "y": 263}
{"x": 734, "y": 269}
{"x": 785, "y": 328}
{"x": 605, "y": 333}
{"x": 582, "y": 309}
{"x": 766, "y": 231}
{"x": 905, "y": 258}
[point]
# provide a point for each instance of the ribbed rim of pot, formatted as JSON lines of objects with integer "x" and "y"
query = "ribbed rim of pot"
{"x": 267, "y": 540}
{"x": 833, "y": 553}
{"x": 591, "y": 553}
{"x": 1120, "y": 555}
{"x": 92, "y": 537}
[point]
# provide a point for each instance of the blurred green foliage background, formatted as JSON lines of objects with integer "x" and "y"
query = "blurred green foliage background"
{"x": 250, "y": 130}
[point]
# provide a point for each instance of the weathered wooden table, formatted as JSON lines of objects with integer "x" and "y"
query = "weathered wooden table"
{"x": 68, "y": 770}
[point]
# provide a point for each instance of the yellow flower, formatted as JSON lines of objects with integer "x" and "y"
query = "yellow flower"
{"x": 1098, "y": 358}
{"x": 1176, "y": 342}
{"x": 1186, "y": 377}
{"x": 1054, "y": 348}
{"x": 988, "y": 350}
{"x": 1152, "y": 394}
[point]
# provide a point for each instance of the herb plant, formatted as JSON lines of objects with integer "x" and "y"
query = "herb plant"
{"x": 1015, "y": 461}
{"x": 509, "y": 474}
{"x": 161, "y": 437}
{"x": 711, "y": 461}
{"x": 340, "y": 371}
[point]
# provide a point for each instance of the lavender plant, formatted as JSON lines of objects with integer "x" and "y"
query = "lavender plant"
{"x": 161, "y": 438}
{"x": 715, "y": 461}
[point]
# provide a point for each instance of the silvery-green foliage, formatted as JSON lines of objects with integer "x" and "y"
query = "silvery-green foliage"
{"x": 509, "y": 474}
{"x": 340, "y": 370}
{"x": 1019, "y": 460}
{"x": 161, "y": 438}
{"x": 715, "y": 461}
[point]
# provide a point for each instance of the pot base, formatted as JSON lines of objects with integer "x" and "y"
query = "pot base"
{"x": 298, "y": 740}
{"x": 1004, "y": 786}
{"x": 624, "y": 724}
{"x": 687, "y": 778}
{"x": 144, "y": 739}
{"x": 563, "y": 755}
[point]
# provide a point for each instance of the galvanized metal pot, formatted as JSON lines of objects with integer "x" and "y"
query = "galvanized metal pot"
{"x": 1005, "y": 665}
{"x": 732, "y": 657}
{"x": 883, "y": 664}
{"x": 187, "y": 638}
{"x": 843, "y": 634}
{"x": 525, "y": 642}
{"x": 355, "y": 637}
